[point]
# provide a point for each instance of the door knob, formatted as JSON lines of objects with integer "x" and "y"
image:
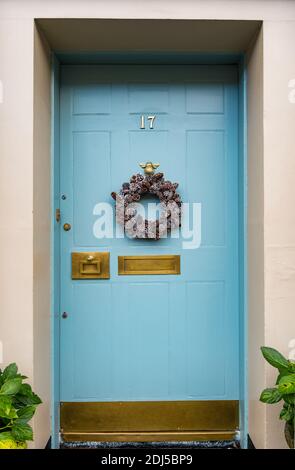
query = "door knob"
{"x": 67, "y": 227}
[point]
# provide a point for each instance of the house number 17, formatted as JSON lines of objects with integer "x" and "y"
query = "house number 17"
{"x": 151, "y": 120}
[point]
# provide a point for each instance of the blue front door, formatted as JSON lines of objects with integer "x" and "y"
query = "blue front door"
{"x": 150, "y": 337}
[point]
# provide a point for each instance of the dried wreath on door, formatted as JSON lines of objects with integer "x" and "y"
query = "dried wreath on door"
{"x": 129, "y": 196}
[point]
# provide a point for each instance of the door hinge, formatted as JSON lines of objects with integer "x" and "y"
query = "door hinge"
{"x": 57, "y": 215}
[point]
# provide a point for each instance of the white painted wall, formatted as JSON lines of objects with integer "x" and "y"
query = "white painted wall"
{"x": 271, "y": 234}
{"x": 269, "y": 10}
{"x": 24, "y": 112}
{"x": 41, "y": 236}
{"x": 25, "y": 210}
{"x": 256, "y": 291}
{"x": 16, "y": 193}
{"x": 279, "y": 198}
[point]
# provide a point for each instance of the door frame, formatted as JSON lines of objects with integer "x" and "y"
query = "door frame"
{"x": 150, "y": 58}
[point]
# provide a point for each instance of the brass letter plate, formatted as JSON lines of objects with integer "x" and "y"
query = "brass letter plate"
{"x": 155, "y": 264}
{"x": 91, "y": 265}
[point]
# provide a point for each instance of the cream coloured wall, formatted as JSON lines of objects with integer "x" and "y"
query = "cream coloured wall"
{"x": 256, "y": 291}
{"x": 271, "y": 232}
{"x": 24, "y": 113}
{"x": 16, "y": 193}
{"x": 279, "y": 199}
{"x": 25, "y": 209}
{"x": 268, "y": 10}
{"x": 41, "y": 234}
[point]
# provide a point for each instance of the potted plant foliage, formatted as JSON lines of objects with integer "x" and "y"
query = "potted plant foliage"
{"x": 284, "y": 390}
{"x": 17, "y": 406}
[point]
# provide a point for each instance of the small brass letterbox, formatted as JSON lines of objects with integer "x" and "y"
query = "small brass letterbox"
{"x": 91, "y": 265}
{"x": 149, "y": 264}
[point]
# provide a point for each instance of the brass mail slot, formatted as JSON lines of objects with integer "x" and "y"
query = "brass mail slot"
{"x": 155, "y": 264}
{"x": 91, "y": 265}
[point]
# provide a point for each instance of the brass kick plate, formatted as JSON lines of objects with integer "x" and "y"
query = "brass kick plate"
{"x": 155, "y": 264}
{"x": 149, "y": 421}
{"x": 91, "y": 265}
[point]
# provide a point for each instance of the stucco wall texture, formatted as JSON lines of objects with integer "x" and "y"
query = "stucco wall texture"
{"x": 25, "y": 184}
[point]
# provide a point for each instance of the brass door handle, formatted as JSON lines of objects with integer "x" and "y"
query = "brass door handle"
{"x": 91, "y": 265}
{"x": 67, "y": 227}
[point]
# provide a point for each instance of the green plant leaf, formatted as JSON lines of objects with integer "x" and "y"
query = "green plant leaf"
{"x": 7, "y": 410}
{"x": 287, "y": 413}
{"x": 282, "y": 373}
{"x": 290, "y": 399}
{"x": 274, "y": 358}
{"x": 10, "y": 371}
{"x": 22, "y": 432}
{"x": 26, "y": 396}
{"x": 11, "y": 386}
{"x": 5, "y": 406}
{"x": 270, "y": 395}
{"x": 13, "y": 413}
{"x": 26, "y": 413}
{"x": 26, "y": 389}
{"x": 5, "y": 435}
{"x": 27, "y": 400}
{"x": 287, "y": 384}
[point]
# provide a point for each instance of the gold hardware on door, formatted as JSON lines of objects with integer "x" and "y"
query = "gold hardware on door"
{"x": 57, "y": 215}
{"x": 150, "y": 420}
{"x": 149, "y": 264}
{"x": 91, "y": 265}
{"x": 67, "y": 227}
{"x": 149, "y": 167}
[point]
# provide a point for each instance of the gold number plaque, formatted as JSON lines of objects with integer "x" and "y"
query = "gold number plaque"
{"x": 155, "y": 264}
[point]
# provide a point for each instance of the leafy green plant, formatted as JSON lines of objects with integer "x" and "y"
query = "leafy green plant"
{"x": 284, "y": 388}
{"x": 17, "y": 407}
